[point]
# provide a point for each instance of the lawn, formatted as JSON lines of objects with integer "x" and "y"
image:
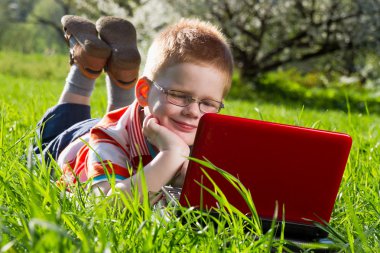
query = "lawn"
{"x": 35, "y": 215}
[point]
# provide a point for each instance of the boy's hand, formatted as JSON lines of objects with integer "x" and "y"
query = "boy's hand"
{"x": 163, "y": 138}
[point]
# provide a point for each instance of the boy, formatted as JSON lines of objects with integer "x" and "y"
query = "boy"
{"x": 188, "y": 73}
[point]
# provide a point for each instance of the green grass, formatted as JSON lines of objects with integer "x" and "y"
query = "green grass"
{"x": 35, "y": 215}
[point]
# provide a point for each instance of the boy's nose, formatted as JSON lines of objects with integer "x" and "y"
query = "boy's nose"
{"x": 192, "y": 110}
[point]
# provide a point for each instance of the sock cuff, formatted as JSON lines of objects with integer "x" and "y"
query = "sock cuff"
{"x": 79, "y": 84}
{"x": 117, "y": 96}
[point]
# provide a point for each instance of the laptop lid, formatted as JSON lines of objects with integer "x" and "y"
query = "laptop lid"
{"x": 299, "y": 168}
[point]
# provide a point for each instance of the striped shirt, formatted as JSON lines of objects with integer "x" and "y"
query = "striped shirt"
{"x": 115, "y": 145}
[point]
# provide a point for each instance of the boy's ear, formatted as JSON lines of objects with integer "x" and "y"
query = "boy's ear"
{"x": 142, "y": 91}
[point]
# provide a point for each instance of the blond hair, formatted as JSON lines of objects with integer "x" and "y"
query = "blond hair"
{"x": 190, "y": 41}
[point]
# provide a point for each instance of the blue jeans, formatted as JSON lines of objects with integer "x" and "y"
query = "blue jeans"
{"x": 61, "y": 125}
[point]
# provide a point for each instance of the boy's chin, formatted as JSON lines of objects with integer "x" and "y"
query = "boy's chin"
{"x": 186, "y": 138}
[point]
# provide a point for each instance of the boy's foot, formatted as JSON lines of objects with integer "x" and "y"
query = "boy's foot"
{"x": 124, "y": 63}
{"x": 87, "y": 51}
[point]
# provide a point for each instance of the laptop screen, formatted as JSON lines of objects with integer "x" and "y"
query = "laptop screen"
{"x": 298, "y": 168}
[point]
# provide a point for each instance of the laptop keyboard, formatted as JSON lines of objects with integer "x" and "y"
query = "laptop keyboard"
{"x": 171, "y": 193}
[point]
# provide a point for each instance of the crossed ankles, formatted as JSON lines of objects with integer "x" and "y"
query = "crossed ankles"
{"x": 110, "y": 45}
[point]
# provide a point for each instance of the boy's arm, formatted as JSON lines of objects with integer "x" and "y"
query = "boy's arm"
{"x": 170, "y": 159}
{"x": 157, "y": 174}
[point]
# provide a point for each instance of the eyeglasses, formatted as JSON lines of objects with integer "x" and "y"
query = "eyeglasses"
{"x": 183, "y": 99}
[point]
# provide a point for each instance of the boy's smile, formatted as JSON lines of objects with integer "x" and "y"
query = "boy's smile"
{"x": 198, "y": 81}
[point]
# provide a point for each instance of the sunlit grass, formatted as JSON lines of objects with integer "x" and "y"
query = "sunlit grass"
{"x": 36, "y": 215}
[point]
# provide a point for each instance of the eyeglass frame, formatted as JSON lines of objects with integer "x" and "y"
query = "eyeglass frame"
{"x": 189, "y": 98}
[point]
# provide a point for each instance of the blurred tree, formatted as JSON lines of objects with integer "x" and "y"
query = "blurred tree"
{"x": 90, "y": 8}
{"x": 267, "y": 34}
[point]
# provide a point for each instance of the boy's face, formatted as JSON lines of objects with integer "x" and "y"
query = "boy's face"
{"x": 200, "y": 82}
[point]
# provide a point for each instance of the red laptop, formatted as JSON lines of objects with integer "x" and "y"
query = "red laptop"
{"x": 299, "y": 168}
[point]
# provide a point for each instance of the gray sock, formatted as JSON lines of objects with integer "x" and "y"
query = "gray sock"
{"x": 79, "y": 84}
{"x": 117, "y": 96}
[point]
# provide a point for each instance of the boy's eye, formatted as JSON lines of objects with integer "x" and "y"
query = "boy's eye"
{"x": 210, "y": 103}
{"x": 179, "y": 98}
{"x": 179, "y": 95}
{"x": 183, "y": 97}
